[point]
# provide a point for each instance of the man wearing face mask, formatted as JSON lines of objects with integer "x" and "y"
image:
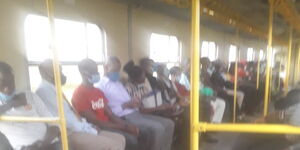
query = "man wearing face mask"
{"x": 127, "y": 108}
{"x": 25, "y": 136}
{"x": 91, "y": 104}
{"x": 82, "y": 135}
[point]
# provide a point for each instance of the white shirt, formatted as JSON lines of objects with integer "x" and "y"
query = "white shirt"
{"x": 24, "y": 134}
{"x": 47, "y": 93}
{"x": 185, "y": 81}
{"x": 116, "y": 94}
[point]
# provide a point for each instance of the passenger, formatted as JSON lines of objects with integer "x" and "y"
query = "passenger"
{"x": 158, "y": 130}
{"x": 138, "y": 86}
{"x": 82, "y": 135}
{"x": 288, "y": 111}
{"x": 91, "y": 104}
{"x": 219, "y": 84}
{"x": 151, "y": 101}
{"x": 149, "y": 66}
{"x": 185, "y": 76}
{"x": 218, "y": 104}
{"x": 168, "y": 92}
{"x": 27, "y": 136}
{"x": 176, "y": 74}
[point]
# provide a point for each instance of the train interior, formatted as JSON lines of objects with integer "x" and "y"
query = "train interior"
{"x": 231, "y": 32}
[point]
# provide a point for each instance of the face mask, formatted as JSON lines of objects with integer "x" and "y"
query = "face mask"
{"x": 166, "y": 72}
{"x": 178, "y": 78}
{"x": 4, "y": 98}
{"x": 94, "y": 78}
{"x": 154, "y": 67}
{"x": 114, "y": 76}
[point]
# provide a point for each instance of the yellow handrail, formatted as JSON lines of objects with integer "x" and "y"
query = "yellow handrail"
{"x": 57, "y": 79}
{"x": 258, "y": 72}
{"x": 287, "y": 76}
{"x": 235, "y": 80}
{"x": 249, "y": 128}
{"x": 195, "y": 53}
{"x": 269, "y": 55}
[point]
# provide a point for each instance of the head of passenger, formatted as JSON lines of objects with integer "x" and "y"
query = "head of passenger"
{"x": 175, "y": 73}
{"x": 7, "y": 82}
{"x": 148, "y": 65}
{"x": 47, "y": 72}
{"x": 89, "y": 72}
{"x": 162, "y": 71}
{"x": 205, "y": 63}
{"x": 186, "y": 65}
{"x": 135, "y": 73}
{"x": 220, "y": 67}
{"x": 113, "y": 68}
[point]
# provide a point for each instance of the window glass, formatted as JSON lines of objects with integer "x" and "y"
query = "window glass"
{"x": 250, "y": 54}
{"x": 74, "y": 42}
{"x": 165, "y": 49}
{"x": 232, "y": 53}
{"x": 210, "y": 50}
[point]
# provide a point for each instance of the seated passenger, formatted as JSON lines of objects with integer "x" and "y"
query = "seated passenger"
{"x": 159, "y": 131}
{"x": 149, "y": 66}
{"x": 288, "y": 111}
{"x": 82, "y": 135}
{"x": 168, "y": 92}
{"x": 218, "y": 104}
{"x": 219, "y": 84}
{"x": 91, "y": 104}
{"x": 138, "y": 86}
{"x": 31, "y": 136}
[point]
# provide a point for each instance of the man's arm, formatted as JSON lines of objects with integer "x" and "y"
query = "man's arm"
{"x": 127, "y": 127}
{"x": 92, "y": 118}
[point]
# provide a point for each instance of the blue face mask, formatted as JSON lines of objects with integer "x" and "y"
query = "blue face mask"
{"x": 166, "y": 72}
{"x": 114, "y": 76}
{"x": 94, "y": 78}
{"x": 4, "y": 98}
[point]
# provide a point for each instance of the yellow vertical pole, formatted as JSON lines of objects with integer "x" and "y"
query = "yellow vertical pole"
{"x": 257, "y": 72}
{"x": 269, "y": 55}
{"x": 236, "y": 76}
{"x": 62, "y": 120}
{"x": 287, "y": 76}
{"x": 194, "y": 135}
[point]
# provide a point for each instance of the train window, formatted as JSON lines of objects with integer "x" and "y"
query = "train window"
{"x": 250, "y": 54}
{"x": 74, "y": 42}
{"x": 165, "y": 49}
{"x": 232, "y": 53}
{"x": 261, "y": 54}
{"x": 209, "y": 49}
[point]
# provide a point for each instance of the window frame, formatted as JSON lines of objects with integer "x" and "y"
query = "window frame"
{"x": 100, "y": 63}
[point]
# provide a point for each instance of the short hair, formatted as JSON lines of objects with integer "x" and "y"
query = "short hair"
{"x": 84, "y": 63}
{"x": 175, "y": 70}
{"x": 144, "y": 61}
{"x": 133, "y": 71}
{"x": 5, "y": 68}
{"x": 113, "y": 59}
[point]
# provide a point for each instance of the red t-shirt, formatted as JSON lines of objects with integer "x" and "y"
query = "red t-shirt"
{"x": 86, "y": 98}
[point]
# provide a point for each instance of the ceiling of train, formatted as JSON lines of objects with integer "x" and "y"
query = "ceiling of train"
{"x": 251, "y": 11}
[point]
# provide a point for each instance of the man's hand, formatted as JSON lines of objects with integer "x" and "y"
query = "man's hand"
{"x": 19, "y": 100}
{"x": 132, "y": 130}
{"x": 166, "y": 106}
{"x": 134, "y": 103}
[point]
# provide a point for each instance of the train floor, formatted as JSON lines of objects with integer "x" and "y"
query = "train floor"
{"x": 225, "y": 142}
